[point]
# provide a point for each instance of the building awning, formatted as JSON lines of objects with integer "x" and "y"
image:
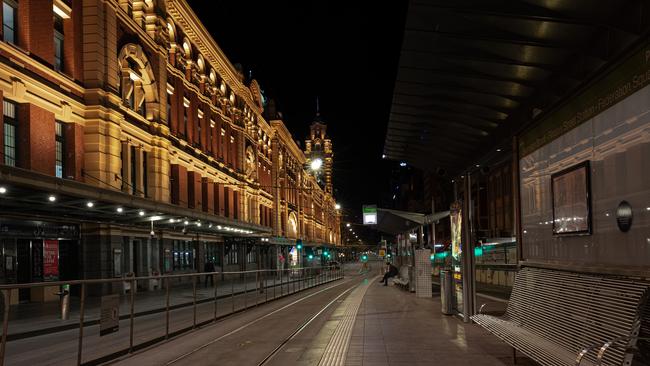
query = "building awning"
{"x": 292, "y": 242}
{"x": 396, "y": 222}
{"x": 473, "y": 72}
{"x": 28, "y": 194}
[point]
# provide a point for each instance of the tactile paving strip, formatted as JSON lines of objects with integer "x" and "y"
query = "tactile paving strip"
{"x": 337, "y": 348}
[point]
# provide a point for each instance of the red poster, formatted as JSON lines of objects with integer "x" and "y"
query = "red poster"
{"x": 50, "y": 260}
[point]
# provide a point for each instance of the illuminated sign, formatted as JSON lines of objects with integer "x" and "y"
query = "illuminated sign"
{"x": 370, "y": 214}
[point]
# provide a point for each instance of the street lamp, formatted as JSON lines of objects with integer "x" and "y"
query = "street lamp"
{"x": 316, "y": 164}
{"x": 347, "y": 225}
{"x": 337, "y": 206}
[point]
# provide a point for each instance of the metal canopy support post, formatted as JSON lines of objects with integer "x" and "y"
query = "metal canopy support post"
{"x": 468, "y": 265}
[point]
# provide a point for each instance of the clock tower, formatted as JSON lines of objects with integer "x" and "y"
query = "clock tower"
{"x": 319, "y": 146}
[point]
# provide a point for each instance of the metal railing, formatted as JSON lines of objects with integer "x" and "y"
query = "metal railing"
{"x": 166, "y": 307}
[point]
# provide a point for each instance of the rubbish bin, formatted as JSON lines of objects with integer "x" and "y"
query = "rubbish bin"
{"x": 411, "y": 278}
{"x": 446, "y": 291}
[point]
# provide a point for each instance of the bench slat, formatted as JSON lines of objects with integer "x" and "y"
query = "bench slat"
{"x": 566, "y": 311}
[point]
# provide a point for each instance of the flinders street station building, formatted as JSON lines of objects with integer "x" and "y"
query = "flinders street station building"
{"x": 133, "y": 147}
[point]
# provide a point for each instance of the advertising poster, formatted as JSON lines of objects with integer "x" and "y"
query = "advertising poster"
{"x": 50, "y": 260}
{"x": 571, "y": 203}
{"x": 456, "y": 230}
{"x": 456, "y": 219}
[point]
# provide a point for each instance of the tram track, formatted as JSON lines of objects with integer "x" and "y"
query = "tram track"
{"x": 341, "y": 289}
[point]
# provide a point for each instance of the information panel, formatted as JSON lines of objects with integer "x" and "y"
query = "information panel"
{"x": 110, "y": 314}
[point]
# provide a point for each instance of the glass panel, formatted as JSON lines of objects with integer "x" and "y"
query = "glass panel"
{"x": 8, "y": 25}
{"x": 59, "y": 159}
{"x": 9, "y": 109}
{"x": 58, "y": 50}
{"x": 10, "y": 144}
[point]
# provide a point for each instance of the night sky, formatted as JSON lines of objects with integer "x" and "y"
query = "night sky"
{"x": 344, "y": 52}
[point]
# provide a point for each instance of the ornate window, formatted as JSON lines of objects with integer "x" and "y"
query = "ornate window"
{"x": 293, "y": 226}
{"x": 138, "y": 84}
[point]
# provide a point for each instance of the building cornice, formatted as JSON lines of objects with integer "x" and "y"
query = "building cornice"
{"x": 194, "y": 29}
{"x": 283, "y": 134}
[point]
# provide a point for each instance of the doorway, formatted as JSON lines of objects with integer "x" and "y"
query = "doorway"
{"x": 24, "y": 267}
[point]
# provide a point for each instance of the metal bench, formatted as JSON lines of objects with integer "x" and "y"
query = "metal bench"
{"x": 566, "y": 318}
{"x": 402, "y": 280}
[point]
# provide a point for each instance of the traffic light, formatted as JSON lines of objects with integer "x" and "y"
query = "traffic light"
{"x": 298, "y": 244}
{"x": 364, "y": 258}
{"x": 325, "y": 253}
{"x": 310, "y": 257}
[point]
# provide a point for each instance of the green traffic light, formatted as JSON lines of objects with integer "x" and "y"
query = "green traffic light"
{"x": 299, "y": 246}
{"x": 310, "y": 257}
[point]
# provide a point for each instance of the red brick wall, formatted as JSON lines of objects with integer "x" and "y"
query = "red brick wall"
{"x": 36, "y": 139}
{"x": 74, "y": 150}
{"x": 230, "y": 145}
{"x": 234, "y": 149}
{"x": 235, "y": 200}
{"x": 179, "y": 185}
{"x": 220, "y": 138}
{"x": 177, "y": 104}
{"x": 194, "y": 190}
{"x": 72, "y": 62}
{"x": 191, "y": 119}
{"x": 2, "y": 127}
{"x": 204, "y": 128}
{"x": 227, "y": 201}
{"x": 36, "y": 28}
{"x": 218, "y": 198}
{"x": 215, "y": 135}
{"x": 208, "y": 194}
{"x": 226, "y": 143}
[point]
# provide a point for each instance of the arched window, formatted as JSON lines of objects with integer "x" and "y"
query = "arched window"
{"x": 137, "y": 82}
{"x": 293, "y": 226}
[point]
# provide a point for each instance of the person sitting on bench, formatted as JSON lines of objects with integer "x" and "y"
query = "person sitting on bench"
{"x": 392, "y": 272}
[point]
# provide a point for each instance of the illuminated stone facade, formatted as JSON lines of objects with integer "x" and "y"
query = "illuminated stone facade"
{"x": 149, "y": 107}
{"x": 319, "y": 146}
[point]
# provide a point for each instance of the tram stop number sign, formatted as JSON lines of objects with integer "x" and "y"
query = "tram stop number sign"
{"x": 110, "y": 314}
{"x": 382, "y": 253}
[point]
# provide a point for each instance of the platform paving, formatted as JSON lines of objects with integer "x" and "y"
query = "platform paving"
{"x": 395, "y": 328}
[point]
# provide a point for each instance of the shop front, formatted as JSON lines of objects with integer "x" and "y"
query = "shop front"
{"x": 38, "y": 251}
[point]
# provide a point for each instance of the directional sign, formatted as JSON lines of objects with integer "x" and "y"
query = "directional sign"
{"x": 370, "y": 214}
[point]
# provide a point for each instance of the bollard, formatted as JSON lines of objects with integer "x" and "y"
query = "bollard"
{"x": 6, "y": 294}
{"x": 82, "y": 310}
{"x": 216, "y": 297}
{"x": 167, "y": 308}
{"x": 64, "y": 300}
